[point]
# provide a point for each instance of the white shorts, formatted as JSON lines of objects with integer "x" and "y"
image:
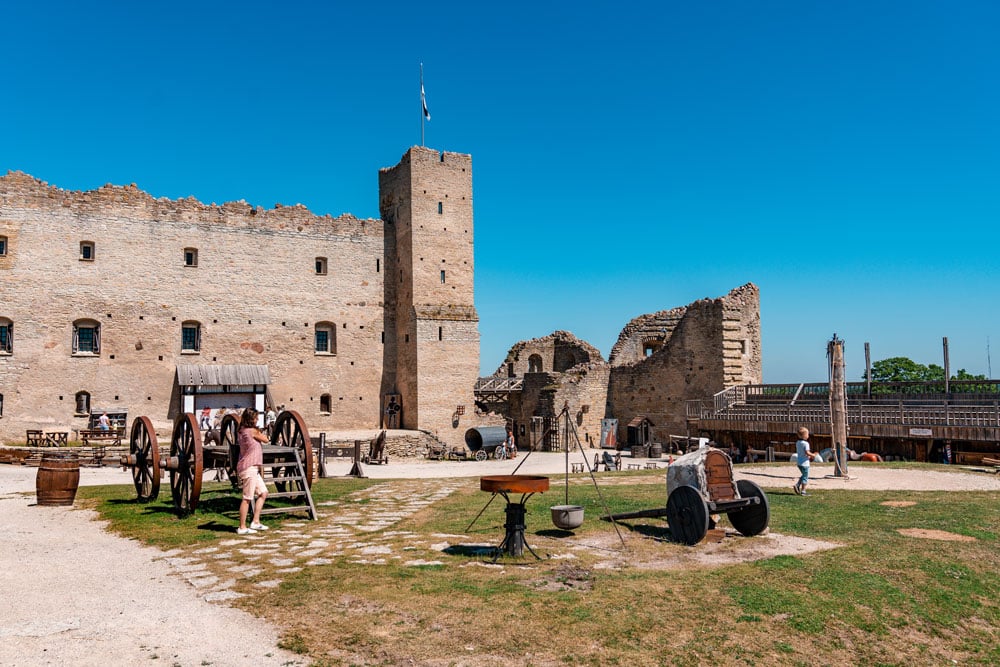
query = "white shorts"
{"x": 252, "y": 484}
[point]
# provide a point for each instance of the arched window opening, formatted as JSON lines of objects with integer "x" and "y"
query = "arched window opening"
{"x": 86, "y": 337}
{"x": 535, "y": 363}
{"x": 82, "y": 403}
{"x": 326, "y": 338}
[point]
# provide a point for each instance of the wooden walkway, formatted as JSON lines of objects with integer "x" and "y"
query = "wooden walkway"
{"x": 908, "y": 418}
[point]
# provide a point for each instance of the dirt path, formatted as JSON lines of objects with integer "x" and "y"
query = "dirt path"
{"x": 86, "y": 597}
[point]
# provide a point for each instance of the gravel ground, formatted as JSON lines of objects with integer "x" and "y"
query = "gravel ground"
{"x": 78, "y": 595}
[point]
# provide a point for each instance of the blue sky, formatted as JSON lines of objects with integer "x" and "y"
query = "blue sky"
{"x": 627, "y": 157}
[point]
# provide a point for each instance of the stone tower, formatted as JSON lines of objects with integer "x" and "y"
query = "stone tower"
{"x": 431, "y": 333}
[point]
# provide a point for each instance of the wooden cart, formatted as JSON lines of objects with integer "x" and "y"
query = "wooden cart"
{"x": 700, "y": 484}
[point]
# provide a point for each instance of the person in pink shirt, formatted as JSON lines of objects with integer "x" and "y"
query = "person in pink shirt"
{"x": 250, "y": 469}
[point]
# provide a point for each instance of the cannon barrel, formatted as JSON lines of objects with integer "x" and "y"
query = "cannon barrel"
{"x": 485, "y": 437}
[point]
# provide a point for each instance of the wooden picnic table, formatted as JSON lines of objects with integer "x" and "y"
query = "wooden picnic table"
{"x": 113, "y": 437}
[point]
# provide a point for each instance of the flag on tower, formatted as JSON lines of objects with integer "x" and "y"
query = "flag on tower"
{"x": 423, "y": 96}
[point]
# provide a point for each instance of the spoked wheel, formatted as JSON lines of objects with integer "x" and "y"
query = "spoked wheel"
{"x": 481, "y": 455}
{"x": 687, "y": 514}
{"x": 185, "y": 463}
{"x": 290, "y": 431}
{"x": 145, "y": 458}
{"x": 500, "y": 453}
{"x": 228, "y": 433}
{"x": 751, "y": 520}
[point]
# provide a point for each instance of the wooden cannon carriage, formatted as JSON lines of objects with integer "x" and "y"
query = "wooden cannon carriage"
{"x": 288, "y": 457}
{"x": 700, "y": 484}
{"x": 376, "y": 450}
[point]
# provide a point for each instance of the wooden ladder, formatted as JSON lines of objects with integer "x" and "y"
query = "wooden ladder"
{"x": 283, "y": 468}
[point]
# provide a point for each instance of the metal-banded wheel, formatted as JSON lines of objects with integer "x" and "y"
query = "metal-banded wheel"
{"x": 229, "y": 437}
{"x": 753, "y": 519}
{"x": 144, "y": 459}
{"x": 185, "y": 463}
{"x": 290, "y": 431}
{"x": 687, "y": 514}
{"x": 482, "y": 455}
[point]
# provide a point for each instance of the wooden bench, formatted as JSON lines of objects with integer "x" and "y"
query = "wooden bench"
{"x": 34, "y": 438}
{"x": 577, "y": 467}
{"x": 634, "y": 466}
{"x": 652, "y": 465}
{"x": 112, "y": 437}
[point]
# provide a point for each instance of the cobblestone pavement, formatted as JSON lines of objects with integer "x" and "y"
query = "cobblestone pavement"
{"x": 356, "y": 527}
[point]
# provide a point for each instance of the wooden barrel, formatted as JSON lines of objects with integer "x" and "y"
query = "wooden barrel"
{"x": 57, "y": 480}
{"x": 655, "y": 450}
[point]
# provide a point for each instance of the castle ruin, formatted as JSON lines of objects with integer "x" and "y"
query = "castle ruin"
{"x": 660, "y": 361}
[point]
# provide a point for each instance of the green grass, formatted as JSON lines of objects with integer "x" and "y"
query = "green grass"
{"x": 881, "y": 598}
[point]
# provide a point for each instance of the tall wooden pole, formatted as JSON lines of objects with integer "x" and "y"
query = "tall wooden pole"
{"x": 838, "y": 404}
{"x": 947, "y": 365}
{"x": 868, "y": 370}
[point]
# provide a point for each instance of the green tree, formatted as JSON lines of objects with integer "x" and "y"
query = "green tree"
{"x": 902, "y": 369}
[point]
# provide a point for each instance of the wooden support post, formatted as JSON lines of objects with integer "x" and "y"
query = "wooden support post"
{"x": 322, "y": 455}
{"x": 356, "y": 469}
{"x": 838, "y": 405}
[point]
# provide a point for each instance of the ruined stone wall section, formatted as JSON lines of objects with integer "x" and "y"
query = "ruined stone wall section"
{"x": 741, "y": 344}
{"x": 558, "y": 352}
{"x": 27, "y": 192}
{"x": 651, "y": 330}
{"x": 715, "y": 344}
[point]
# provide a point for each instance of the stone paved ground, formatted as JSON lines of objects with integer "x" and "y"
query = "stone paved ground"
{"x": 356, "y": 528}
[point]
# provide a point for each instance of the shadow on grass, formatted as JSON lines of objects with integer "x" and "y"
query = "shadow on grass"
{"x": 471, "y": 550}
{"x": 555, "y": 532}
{"x": 661, "y": 533}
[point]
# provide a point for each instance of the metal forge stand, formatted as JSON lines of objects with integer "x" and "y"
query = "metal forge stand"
{"x": 514, "y": 542}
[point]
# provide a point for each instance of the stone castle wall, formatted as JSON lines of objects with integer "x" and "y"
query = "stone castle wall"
{"x": 254, "y": 291}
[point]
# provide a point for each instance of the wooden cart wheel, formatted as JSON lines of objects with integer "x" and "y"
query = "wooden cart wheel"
{"x": 187, "y": 467}
{"x": 229, "y": 438}
{"x": 145, "y": 453}
{"x": 751, "y": 520}
{"x": 290, "y": 431}
{"x": 687, "y": 514}
{"x": 481, "y": 455}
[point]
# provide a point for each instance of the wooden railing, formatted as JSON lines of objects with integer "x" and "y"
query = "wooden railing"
{"x": 923, "y": 413}
{"x": 498, "y": 384}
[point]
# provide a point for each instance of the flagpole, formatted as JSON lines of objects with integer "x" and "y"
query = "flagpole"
{"x": 422, "y": 119}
